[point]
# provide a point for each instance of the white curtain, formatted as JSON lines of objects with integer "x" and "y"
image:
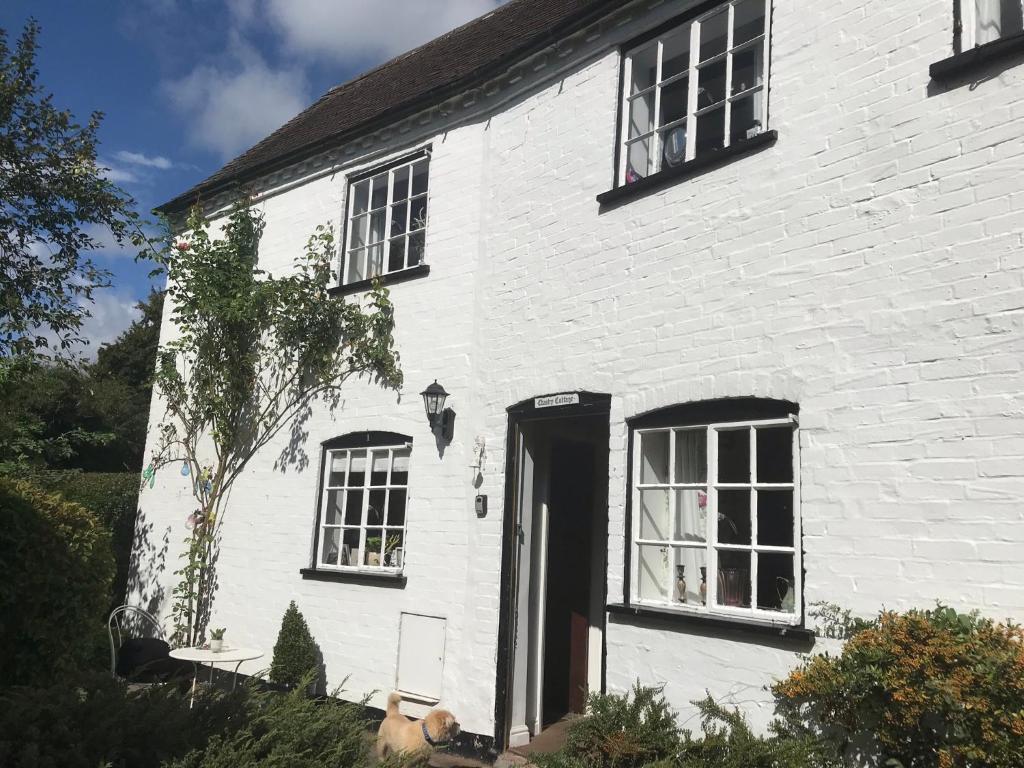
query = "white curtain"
{"x": 994, "y": 19}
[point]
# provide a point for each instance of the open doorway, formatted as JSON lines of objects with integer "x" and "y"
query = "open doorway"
{"x": 552, "y": 646}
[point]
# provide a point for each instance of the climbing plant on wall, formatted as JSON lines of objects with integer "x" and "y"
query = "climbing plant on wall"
{"x": 249, "y": 353}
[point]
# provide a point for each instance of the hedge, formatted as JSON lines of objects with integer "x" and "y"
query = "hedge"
{"x": 57, "y": 566}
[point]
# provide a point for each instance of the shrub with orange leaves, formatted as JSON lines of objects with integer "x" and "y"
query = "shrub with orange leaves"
{"x": 922, "y": 688}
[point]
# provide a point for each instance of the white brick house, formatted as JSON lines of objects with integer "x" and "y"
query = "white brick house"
{"x": 773, "y": 266}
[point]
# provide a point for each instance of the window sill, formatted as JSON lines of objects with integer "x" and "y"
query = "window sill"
{"x": 687, "y": 170}
{"x": 975, "y": 58}
{"x": 785, "y": 631}
{"x": 394, "y": 579}
{"x": 360, "y": 286}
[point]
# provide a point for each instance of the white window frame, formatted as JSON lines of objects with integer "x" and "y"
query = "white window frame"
{"x": 969, "y": 37}
{"x": 711, "y": 544}
{"x": 694, "y": 113}
{"x": 413, "y": 226}
{"x": 365, "y": 488}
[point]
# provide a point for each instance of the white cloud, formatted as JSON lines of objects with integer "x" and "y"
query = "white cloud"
{"x": 227, "y": 108}
{"x": 137, "y": 158}
{"x": 117, "y": 175}
{"x": 350, "y": 29}
{"x": 110, "y": 314}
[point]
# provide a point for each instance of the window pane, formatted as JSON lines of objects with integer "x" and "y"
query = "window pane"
{"x": 417, "y": 246}
{"x": 379, "y": 471}
{"x": 689, "y": 575}
{"x": 399, "y": 216}
{"x": 332, "y": 510}
{"x": 746, "y": 118}
{"x": 734, "y": 517}
{"x": 654, "y": 457}
{"x": 673, "y": 142}
{"x": 349, "y": 547}
{"x": 362, "y": 197}
{"x": 375, "y": 260}
{"x": 380, "y": 191}
{"x": 734, "y": 456}
{"x": 675, "y": 56}
{"x": 747, "y": 68}
{"x": 734, "y": 578}
{"x": 339, "y": 463}
{"x": 419, "y": 177}
{"x": 691, "y": 456}
{"x": 354, "y": 508}
{"x": 401, "y": 184}
{"x": 331, "y": 546}
{"x": 674, "y": 101}
{"x": 691, "y": 515}
{"x": 775, "y": 583}
{"x": 400, "y": 468}
{"x": 375, "y": 509}
{"x": 644, "y": 68}
{"x": 775, "y": 518}
{"x": 394, "y": 549}
{"x": 396, "y": 507}
{"x": 358, "y": 236}
{"x": 711, "y": 84}
{"x": 654, "y": 516}
{"x": 374, "y": 545}
{"x": 638, "y": 160}
{"x": 748, "y": 21}
{"x": 376, "y": 233}
{"x": 652, "y": 572}
{"x": 418, "y": 219}
{"x": 396, "y": 254}
{"x": 775, "y": 455}
{"x": 357, "y": 470}
{"x": 995, "y": 19}
{"x": 711, "y": 131}
{"x": 713, "y": 34}
{"x": 356, "y": 266}
{"x": 641, "y": 115}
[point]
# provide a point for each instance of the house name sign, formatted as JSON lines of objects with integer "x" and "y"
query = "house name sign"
{"x": 551, "y": 401}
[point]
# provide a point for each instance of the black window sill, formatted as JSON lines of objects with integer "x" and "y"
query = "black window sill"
{"x": 360, "y": 286}
{"x": 687, "y": 170}
{"x": 795, "y": 633}
{"x": 380, "y": 579}
{"x": 963, "y": 63}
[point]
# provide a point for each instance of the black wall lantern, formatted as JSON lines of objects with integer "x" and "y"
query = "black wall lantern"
{"x": 441, "y": 419}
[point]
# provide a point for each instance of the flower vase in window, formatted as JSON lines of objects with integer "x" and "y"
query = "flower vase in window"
{"x": 732, "y": 585}
{"x": 681, "y": 583}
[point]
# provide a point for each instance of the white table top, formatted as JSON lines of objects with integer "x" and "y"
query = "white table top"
{"x": 205, "y": 655}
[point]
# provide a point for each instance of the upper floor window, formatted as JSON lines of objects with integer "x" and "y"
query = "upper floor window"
{"x": 361, "y": 520}
{"x": 983, "y": 21}
{"x": 715, "y": 513}
{"x": 387, "y": 220}
{"x": 699, "y": 87}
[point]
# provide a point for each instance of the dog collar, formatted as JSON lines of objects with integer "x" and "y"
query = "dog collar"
{"x": 426, "y": 734}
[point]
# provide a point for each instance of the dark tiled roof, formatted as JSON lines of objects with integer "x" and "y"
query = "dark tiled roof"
{"x": 425, "y": 75}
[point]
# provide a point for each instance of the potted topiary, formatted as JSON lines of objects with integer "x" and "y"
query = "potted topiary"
{"x": 217, "y": 639}
{"x": 295, "y": 653}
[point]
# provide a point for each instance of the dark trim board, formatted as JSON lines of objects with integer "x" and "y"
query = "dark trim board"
{"x": 797, "y": 634}
{"x": 964, "y": 63}
{"x": 383, "y": 579}
{"x": 590, "y": 405}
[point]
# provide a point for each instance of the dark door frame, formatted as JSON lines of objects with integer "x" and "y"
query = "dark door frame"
{"x": 590, "y": 404}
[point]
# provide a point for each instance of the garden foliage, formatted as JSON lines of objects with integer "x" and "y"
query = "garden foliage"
{"x": 923, "y": 688}
{"x": 296, "y": 654}
{"x": 57, "y": 566}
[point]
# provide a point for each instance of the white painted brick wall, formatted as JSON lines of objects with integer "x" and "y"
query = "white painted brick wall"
{"x": 868, "y": 266}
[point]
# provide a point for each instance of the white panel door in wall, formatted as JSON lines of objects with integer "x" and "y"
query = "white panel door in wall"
{"x": 421, "y": 657}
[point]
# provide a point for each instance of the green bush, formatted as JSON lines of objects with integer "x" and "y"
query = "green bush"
{"x": 922, "y": 688}
{"x": 628, "y": 731}
{"x": 290, "y": 731}
{"x": 94, "y": 720}
{"x": 57, "y": 565}
{"x": 296, "y": 654}
{"x": 113, "y": 498}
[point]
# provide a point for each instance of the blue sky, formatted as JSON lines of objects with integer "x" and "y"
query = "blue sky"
{"x": 188, "y": 84}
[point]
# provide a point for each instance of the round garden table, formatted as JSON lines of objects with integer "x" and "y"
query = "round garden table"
{"x": 224, "y": 656}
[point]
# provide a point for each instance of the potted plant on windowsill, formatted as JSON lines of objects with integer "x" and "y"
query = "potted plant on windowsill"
{"x": 217, "y": 639}
{"x": 373, "y": 552}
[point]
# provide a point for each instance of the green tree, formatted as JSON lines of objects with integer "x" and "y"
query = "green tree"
{"x": 295, "y": 652}
{"x": 251, "y": 355}
{"x": 53, "y": 199}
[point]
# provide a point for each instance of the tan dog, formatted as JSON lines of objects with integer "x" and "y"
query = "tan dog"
{"x": 415, "y": 738}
